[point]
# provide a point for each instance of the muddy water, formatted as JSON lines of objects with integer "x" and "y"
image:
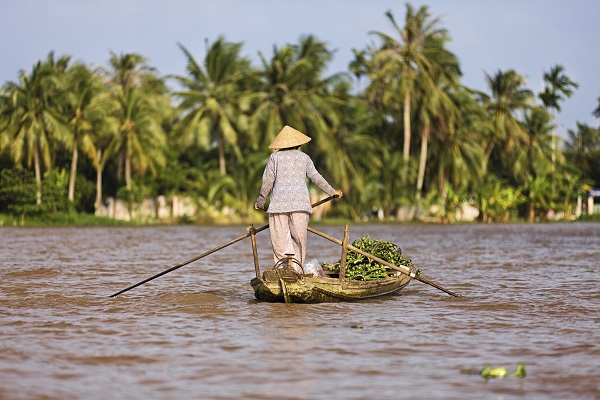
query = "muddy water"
{"x": 531, "y": 296}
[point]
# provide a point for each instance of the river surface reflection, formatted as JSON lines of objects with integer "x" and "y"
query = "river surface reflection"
{"x": 530, "y": 296}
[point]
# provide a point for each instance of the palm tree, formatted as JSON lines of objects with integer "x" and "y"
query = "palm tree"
{"x": 291, "y": 90}
{"x": 141, "y": 138}
{"x": 127, "y": 71}
{"x": 436, "y": 107}
{"x": 32, "y": 117}
{"x": 582, "y": 150}
{"x": 86, "y": 107}
{"x": 508, "y": 101}
{"x": 97, "y": 147}
{"x": 557, "y": 87}
{"x": 413, "y": 57}
{"x": 537, "y": 152}
{"x": 352, "y": 151}
{"x": 210, "y": 99}
{"x": 459, "y": 154}
{"x": 366, "y": 64}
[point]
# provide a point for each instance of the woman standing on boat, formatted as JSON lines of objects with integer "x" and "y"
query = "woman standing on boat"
{"x": 290, "y": 208}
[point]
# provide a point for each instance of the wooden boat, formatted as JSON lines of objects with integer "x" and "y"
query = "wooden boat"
{"x": 283, "y": 283}
{"x": 287, "y": 285}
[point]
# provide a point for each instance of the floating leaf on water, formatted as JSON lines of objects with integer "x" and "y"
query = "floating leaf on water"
{"x": 520, "y": 372}
{"x": 489, "y": 372}
{"x": 501, "y": 372}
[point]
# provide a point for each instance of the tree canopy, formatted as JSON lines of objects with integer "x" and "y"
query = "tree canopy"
{"x": 413, "y": 138}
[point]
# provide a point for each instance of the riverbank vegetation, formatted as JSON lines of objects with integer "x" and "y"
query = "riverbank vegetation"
{"x": 412, "y": 143}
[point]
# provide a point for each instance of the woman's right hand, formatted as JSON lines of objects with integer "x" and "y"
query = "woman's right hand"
{"x": 338, "y": 193}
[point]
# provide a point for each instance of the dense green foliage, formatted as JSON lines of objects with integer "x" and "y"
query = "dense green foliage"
{"x": 412, "y": 142}
{"x": 360, "y": 267}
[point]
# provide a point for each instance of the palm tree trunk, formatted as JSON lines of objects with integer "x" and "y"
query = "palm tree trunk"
{"x": 531, "y": 215}
{"x": 406, "y": 148}
{"x": 38, "y": 176}
{"x": 423, "y": 159}
{"x": 128, "y": 185}
{"x": 73, "y": 175}
{"x": 488, "y": 152}
{"x": 442, "y": 182}
{"x": 222, "y": 166}
{"x": 120, "y": 166}
{"x": 98, "y": 201}
{"x": 128, "y": 171}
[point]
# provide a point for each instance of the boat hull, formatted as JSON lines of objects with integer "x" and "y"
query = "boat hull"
{"x": 285, "y": 285}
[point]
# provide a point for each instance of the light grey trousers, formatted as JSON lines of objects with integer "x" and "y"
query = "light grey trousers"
{"x": 288, "y": 235}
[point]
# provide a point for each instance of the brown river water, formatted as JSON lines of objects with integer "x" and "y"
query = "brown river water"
{"x": 531, "y": 296}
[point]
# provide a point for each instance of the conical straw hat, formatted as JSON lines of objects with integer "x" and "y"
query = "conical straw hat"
{"x": 289, "y": 137}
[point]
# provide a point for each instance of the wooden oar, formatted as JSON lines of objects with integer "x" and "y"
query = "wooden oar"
{"x": 173, "y": 268}
{"x": 403, "y": 269}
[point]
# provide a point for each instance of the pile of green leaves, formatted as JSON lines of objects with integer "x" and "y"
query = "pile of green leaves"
{"x": 360, "y": 267}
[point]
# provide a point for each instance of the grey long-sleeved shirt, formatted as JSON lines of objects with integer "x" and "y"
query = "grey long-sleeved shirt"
{"x": 285, "y": 176}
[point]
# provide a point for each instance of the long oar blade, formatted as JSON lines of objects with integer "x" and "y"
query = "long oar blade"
{"x": 191, "y": 260}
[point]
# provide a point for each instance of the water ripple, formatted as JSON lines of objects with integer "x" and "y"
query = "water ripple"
{"x": 530, "y": 296}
